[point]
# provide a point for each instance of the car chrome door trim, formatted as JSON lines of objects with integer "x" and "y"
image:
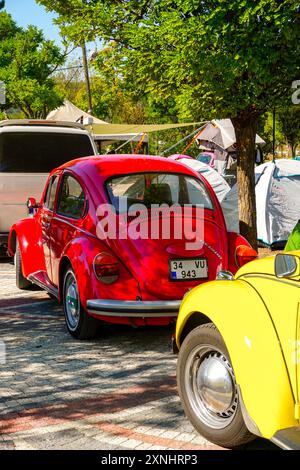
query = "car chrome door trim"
{"x": 47, "y": 287}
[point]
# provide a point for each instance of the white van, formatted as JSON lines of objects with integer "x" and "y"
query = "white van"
{"x": 29, "y": 151}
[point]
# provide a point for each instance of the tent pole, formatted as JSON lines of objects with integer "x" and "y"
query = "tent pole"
{"x": 185, "y": 138}
{"x": 274, "y": 133}
{"x": 139, "y": 145}
{"x": 129, "y": 141}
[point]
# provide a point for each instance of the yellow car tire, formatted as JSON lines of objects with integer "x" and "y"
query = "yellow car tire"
{"x": 208, "y": 389}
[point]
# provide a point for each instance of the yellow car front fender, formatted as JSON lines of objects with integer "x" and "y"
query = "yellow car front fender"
{"x": 244, "y": 322}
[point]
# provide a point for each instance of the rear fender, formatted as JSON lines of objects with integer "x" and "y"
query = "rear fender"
{"x": 248, "y": 332}
{"x": 80, "y": 254}
{"x": 28, "y": 234}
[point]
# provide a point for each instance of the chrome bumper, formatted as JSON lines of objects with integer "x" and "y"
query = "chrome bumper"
{"x": 134, "y": 309}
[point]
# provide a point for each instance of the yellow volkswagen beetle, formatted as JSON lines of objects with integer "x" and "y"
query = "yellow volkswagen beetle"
{"x": 239, "y": 362}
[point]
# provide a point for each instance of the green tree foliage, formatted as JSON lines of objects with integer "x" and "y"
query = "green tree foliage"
{"x": 232, "y": 59}
{"x": 110, "y": 102}
{"x": 27, "y": 61}
{"x": 114, "y": 102}
{"x": 289, "y": 125}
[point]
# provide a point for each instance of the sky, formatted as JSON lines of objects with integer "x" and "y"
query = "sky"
{"x": 26, "y": 12}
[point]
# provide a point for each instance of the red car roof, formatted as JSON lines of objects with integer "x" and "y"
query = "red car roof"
{"x": 110, "y": 165}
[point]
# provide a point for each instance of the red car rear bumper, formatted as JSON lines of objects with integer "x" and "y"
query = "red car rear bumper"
{"x": 134, "y": 309}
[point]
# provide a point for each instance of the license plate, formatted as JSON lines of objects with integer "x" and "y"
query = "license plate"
{"x": 187, "y": 270}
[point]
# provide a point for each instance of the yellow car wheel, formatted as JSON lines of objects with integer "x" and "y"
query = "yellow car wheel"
{"x": 208, "y": 389}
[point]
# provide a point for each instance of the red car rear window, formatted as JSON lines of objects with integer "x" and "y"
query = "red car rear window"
{"x": 158, "y": 188}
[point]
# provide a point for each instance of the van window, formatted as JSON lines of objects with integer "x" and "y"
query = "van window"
{"x": 40, "y": 152}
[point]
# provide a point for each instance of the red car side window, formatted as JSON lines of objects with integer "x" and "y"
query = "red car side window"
{"x": 51, "y": 193}
{"x": 71, "y": 201}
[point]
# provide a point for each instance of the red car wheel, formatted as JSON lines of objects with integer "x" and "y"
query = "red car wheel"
{"x": 21, "y": 281}
{"x": 79, "y": 324}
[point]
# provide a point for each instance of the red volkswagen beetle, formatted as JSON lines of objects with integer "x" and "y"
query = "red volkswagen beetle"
{"x": 95, "y": 243}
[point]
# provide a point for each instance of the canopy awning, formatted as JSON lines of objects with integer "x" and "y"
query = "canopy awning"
{"x": 99, "y": 129}
{"x": 118, "y": 137}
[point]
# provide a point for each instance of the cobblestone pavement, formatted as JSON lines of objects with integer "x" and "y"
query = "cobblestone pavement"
{"x": 117, "y": 392}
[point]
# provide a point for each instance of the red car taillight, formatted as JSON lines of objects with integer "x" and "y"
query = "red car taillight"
{"x": 244, "y": 254}
{"x": 106, "y": 268}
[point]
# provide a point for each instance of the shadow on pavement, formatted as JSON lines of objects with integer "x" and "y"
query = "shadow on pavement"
{"x": 260, "y": 444}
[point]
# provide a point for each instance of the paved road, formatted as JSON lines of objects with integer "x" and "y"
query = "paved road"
{"x": 117, "y": 392}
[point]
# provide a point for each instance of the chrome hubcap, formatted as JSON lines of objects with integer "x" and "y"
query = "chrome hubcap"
{"x": 72, "y": 304}
{"x": 211, "y": 387}
{"x": 215, "y": 384}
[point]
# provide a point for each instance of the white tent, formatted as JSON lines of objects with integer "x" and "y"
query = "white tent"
{"x": 221, "y": 133}
{"x": 71, "y": 113}
{"x": 231, "y": 210}
{"x": 217, "y": 182}
{"x": 277, "y": 201}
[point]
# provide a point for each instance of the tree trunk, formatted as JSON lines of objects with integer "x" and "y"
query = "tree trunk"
{"x": 292, "y": 149}
{"x": 245, "y": 129}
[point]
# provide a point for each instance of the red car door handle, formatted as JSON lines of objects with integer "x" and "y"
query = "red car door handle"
{"x": 46, "y": 221}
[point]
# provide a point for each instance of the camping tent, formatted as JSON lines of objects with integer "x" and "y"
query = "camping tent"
{"x": 231, "y": 210}
{"x": 277, "y": 201}
{"x": 217, "y": 182}
{"x": 69, "y": 112}
{"x": 219, "y": 135}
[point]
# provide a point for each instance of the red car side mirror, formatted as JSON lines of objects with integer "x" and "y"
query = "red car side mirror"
{"x": 32, "y": 205}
